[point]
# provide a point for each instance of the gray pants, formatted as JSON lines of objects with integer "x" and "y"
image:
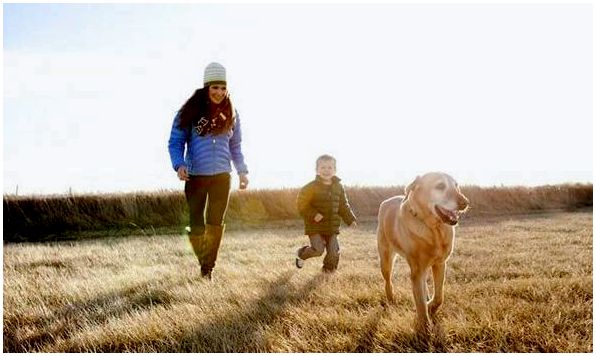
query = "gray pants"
{"x": 318, "y": 244}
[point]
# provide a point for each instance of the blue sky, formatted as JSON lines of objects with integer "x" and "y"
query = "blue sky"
{"x": 492, "y": 94}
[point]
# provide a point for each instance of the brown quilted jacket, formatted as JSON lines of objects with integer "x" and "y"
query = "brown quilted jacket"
{"x": 330, "y": 201}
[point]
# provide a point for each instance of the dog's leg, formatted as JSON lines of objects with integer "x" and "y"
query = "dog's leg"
{"x": 439, "y": 281}
{"x": 387, "y": 260}
{"x": 426, "y": 284}
{"x": 417, "y": 276}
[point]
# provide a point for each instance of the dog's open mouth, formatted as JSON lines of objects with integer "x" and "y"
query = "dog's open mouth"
{"x": 450, "y": 217}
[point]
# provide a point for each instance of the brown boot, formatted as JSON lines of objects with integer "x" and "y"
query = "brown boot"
{"x": 197, "y": 241}
{"x": 213, "y": 236}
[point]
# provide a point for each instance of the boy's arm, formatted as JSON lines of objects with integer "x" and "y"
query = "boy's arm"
{"x": 345, "y": 211}
{"x": 303, "y": 203}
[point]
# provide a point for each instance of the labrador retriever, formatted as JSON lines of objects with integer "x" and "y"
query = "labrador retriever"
{"x": 420, "y": 226}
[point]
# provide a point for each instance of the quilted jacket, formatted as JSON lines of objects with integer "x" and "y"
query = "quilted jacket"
{"x": 328, "y": 200}
{"x": 206, "y": 155}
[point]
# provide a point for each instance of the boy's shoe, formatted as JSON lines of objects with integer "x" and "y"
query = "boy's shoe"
{"x": 206, "y": 275}
{"x": 299, "y": 261}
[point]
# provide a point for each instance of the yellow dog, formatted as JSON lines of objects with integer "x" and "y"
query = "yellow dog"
{"x": 420, "y": 226}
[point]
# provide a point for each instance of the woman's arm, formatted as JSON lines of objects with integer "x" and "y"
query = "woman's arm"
{"x": 178, "y": 138}
{"x": 236, "y": 148}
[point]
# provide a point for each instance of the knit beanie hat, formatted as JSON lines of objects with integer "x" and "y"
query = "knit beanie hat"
{"x": 215, "y": 73}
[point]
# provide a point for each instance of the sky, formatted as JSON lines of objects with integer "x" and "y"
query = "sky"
{"x": 493, "y": 94}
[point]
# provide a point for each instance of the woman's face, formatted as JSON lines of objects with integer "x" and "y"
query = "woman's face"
{"x": 217, "y": 93}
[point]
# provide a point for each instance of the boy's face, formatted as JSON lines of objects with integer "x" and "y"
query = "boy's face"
{"x": 326, "y": 169}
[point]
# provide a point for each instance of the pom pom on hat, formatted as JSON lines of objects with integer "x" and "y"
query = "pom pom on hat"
{"x": 215, "y": 73}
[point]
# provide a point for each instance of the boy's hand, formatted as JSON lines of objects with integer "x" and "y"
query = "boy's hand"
{"x": 353, "y": 225}
{"x": 318, "y": 217}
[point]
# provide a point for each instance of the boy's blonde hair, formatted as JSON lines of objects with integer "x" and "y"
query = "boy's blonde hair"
{"x": 326, "y": 158}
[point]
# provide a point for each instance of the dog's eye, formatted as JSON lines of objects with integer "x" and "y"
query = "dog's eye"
{"x": 441, "y": 186}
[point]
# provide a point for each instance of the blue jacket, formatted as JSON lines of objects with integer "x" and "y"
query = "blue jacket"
{"x": 206, "y": 155}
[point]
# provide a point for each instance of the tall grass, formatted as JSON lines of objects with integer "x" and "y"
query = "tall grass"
{"x": 35, "y": 217}
{"x": 513, "y": 284}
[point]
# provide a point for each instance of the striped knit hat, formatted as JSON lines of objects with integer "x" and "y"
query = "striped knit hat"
{"x": 215, "y": 73}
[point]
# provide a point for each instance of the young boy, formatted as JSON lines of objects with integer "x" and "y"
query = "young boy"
{"x": 322, "y": 204}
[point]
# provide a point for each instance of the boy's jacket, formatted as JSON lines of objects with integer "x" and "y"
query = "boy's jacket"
{"x": 328, "y": 200}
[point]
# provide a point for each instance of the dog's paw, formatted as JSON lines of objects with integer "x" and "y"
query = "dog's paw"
{"x": 389, "y": 302}
{"x": 423, "y": 328}
{"x": 433, "y": 308}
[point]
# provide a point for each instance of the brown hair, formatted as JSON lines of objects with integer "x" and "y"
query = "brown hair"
{"x": 199, "y": 105}
{"x": 326, "y": 157}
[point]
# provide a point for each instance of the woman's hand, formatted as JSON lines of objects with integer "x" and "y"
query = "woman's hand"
{"x": 318, "y": 217}
{"x": 182, "y": 173}
{"x": 243, "y": 181}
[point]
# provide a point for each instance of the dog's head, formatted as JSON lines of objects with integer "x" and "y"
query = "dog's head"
{"x": 438, "y": 194}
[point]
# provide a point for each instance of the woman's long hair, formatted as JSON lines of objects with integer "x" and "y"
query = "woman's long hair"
{"x": 199, "y": 106}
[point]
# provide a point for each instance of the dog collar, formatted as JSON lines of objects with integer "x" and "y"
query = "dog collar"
{"x": 429, "y": 221}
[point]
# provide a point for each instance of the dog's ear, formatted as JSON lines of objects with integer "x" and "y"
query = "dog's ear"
{"x": 410, "y": 188}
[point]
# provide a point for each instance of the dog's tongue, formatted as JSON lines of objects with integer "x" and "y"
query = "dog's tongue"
{"x": 450, "y": 214}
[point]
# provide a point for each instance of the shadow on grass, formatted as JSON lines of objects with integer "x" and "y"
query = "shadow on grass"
{"x": 244, "y": 331}
{"x": 402, "y": 341}
{"x": 68, "y": 320}
{"x": 239, "y": 330}
{"x": 367, "y": 340}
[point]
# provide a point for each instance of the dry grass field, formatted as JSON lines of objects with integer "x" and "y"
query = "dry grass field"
{"x": 518, "y": 283}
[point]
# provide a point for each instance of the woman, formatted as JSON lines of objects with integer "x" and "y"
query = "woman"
{"x": 208, "y": 126}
